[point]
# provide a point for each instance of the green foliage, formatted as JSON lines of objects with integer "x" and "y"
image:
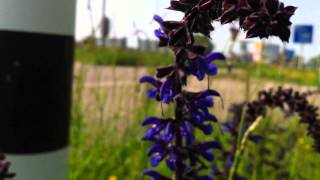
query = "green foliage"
{"x": 314, "y": 63}
{"x": 114, "y": 56}
{"x": 280, "y": 74}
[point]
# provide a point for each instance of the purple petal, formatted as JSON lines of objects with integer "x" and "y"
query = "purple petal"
{"x": 200, "y": 75}
{"x": 152, "y": 93}
{"x": 153, "y": 131}
{"x": 210, "y": 92}
{"x": 158, "y": 19}
{"x": 168, "y": 133}
{"x": 200, "y": 68}
{"x": 187, "y": 126}
{"x": 208, "y": 155}
{"x": 149, "y": 79}
{"x": 210, "y": 144}
{"x": 206, "y": 129}
{"x": 214, "y": 56}
{"x": 166, "y": 92}
{"x": 155, "y": 160}
{"x": 151, "y": 120}
{"x": 205, "y": 102}
{"x": 211, "y": 117}
{"x": 169, "y": 129}
{"x": 158, "y": 33}
{"x": 187, "y": 132}
{"x": 212, "y": 69}
{"x": 171, "y": 162}
{"x": 155, "y": 149}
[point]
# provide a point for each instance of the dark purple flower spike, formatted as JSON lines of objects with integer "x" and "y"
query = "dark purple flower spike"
{"x": 173, "y": 138}
{"x": 287, "y": 100}
{"x": 260, "y": 18}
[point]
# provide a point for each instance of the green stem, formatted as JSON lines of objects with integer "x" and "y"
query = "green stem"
{"x": 241, "y": 146}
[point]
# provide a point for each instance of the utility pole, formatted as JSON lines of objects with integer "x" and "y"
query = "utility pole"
{"x": 36, "y": 52}
{"x": 104, "y": 35}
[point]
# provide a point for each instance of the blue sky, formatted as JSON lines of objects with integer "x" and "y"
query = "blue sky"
{"x": 129, "y": 15}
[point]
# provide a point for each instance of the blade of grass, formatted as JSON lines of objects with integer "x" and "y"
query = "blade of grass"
{"x": 242, "y": 145}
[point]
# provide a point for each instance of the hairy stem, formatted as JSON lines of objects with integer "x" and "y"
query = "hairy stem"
{"x": 178, "y": 138}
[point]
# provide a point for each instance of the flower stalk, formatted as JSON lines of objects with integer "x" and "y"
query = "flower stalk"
{"x": 174, "y": 138}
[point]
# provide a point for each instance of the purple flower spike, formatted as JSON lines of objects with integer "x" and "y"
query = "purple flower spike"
{"x": 173, "y": 140}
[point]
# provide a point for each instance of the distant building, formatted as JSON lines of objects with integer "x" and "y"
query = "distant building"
{"x": 147, "y": 45}
{"x": 151, "y": 46}
{"x": 113, "y": 42}
{"x": 271, "y": 53}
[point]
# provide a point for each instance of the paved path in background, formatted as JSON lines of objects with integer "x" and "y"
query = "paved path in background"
{"x": 116, "y": 91}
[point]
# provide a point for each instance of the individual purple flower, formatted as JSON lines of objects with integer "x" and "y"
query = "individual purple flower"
{"x": 161, "y": 91}
{"x": 173, "y": 33}
{"x": 152, "y": 93}
{"x": 159, "y": 150}
{"x": 166, "y": 91}
{"x": 158, "y": 126}
{"x": 203, "y": 65}
{"x": 197, "y": 112}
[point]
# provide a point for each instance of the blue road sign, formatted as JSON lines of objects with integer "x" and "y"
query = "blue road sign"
{"x": 289, "y": 54}
{"x": 303, "y": 34}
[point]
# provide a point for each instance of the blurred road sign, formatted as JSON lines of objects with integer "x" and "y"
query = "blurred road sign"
{"x": 303, "y": 34}
{"x": 289, "y": 54}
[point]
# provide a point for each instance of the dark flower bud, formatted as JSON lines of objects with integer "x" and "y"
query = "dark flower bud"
{"x": 4, "y": 168}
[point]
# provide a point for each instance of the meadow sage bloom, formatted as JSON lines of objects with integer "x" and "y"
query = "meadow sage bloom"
{"x": 173, "y": 138}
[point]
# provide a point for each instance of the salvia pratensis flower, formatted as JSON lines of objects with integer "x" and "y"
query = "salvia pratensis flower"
{"x": 288, "y": 100}
{"x": 260, "y": 18}
{"x": 174, "y": 141}
{"x": 200, "y": 66}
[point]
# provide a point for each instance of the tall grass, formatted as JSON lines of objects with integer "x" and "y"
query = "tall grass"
{"x": 104, "y": 146}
